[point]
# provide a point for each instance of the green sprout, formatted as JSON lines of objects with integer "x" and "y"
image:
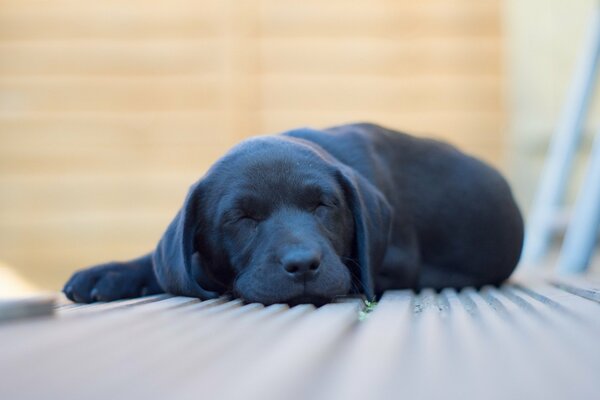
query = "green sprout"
{"x": 368, "y": 308}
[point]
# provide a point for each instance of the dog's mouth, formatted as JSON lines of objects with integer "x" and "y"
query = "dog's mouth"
{"x": 304, "y": 298}
{"x": 317, "y": 301}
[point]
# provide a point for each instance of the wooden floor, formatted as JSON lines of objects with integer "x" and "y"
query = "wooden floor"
{"x": 523, "y": 341}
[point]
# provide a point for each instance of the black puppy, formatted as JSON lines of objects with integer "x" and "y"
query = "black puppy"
{"x": 310, "y": 215}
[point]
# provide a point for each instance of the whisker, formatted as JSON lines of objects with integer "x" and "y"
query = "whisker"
{"x": 357, "y": 282}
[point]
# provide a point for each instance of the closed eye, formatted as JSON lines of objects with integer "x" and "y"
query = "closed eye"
{"x": 324, "y": 205}
{"x": 318, "y": 205}
{"x": 330, "y": 202}
{"x": 234, "y": 217}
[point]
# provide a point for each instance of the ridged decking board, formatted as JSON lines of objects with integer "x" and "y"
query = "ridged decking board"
{"x": 523, "y": 341}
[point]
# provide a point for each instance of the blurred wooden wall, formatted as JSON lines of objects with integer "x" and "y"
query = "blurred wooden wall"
{"x": 110, "y": 109}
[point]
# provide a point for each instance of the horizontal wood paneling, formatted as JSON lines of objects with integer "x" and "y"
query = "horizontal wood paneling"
{"x": 103, "y": 58}
{"x": 380, "y": 18}
{"x": 402, "y": 94}
{"x": 51, "y": 20}
{"x": 110, "y": 110}
{"x": 111, "y": 94}
{"x": 335, "y": 56}
{"x": 462, "y": 56}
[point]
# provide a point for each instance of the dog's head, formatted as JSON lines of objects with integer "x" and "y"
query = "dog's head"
{"x": 277, "y": 220}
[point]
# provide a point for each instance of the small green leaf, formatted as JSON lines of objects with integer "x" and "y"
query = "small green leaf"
{"x": 369, "y": 307}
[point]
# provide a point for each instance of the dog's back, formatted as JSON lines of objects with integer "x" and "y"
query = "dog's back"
{"x": 456, "y": 222}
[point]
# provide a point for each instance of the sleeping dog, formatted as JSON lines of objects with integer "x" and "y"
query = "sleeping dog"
{"x": 311, "y": 215}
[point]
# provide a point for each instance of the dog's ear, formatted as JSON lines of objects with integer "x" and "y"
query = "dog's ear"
{"x": 372, "y": 223}
{"x": 177, "y": 266}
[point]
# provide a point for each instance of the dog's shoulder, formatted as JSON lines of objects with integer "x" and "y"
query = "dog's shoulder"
{"x": 356, "y": 145}
{"x": 353, "y": 134}
{"x": 349, "y": 142}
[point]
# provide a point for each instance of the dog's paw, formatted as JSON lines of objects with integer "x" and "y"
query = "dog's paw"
{"x": 111, "y": 281}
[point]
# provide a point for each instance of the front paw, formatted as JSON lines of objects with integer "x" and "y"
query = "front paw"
{"x": 108, "y": 282}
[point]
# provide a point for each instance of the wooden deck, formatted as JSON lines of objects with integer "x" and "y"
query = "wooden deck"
{"x": 523, "y": 341}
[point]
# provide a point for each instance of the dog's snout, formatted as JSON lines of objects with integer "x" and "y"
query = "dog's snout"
{"x": 301, "y": 263}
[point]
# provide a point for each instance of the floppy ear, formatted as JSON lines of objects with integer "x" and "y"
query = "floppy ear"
{"x": 372, "y": 223}
{"x": 177, "y": 269}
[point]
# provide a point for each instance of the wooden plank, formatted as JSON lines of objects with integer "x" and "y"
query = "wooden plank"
{"x": 186, "y": 56}
{"x": 517, "y": 341}
{"x": 193, "y": 331}
{"x": 50, "y": 268}
{"x": 274, "y": 375}
{"x": 142, "y": 130}
{"x": 479, "y": 347}
{"x": 94, "y": 192}
{"x": 290, "y": 55}
{"x": 192, "y": 327}
{"x": 563, "y": 305}
{"x": 473, "y": 93}
{"x": 26, "y": 307}
{"x": 366, "y": 360}
{"x": 447, "y": 125}
{"x": 234, "y": 363}
{"x": 78, "y": 328}
{"x": 415, "y": 56}
{"x": 380, "y": 18}
{"x": 111, "y": 161}
{"x": 187, "y": 370}
{"x": 112, "y": 143}
{"x": 69, "y": 307}
{"x": 40, "y": 20}
{"x": 143, "y": 328}
{"x": 559, "y": 368}
{"x": 78, "y": 6}
{"x": 81, "y": 94}
{"x": 578, "y": 287}
{"x": 86, "y": 231}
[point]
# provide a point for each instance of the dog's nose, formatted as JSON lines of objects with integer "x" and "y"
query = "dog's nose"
{"x": 301, "y": 263}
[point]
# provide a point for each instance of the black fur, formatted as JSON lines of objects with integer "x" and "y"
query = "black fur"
{"x": 310, "y": 215}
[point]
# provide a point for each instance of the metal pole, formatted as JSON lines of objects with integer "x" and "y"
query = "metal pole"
{"x": 580, "y": 239}
{"x": 563, "y": 147}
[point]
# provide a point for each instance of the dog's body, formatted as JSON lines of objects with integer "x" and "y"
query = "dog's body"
{"x": 310, "y": 215}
